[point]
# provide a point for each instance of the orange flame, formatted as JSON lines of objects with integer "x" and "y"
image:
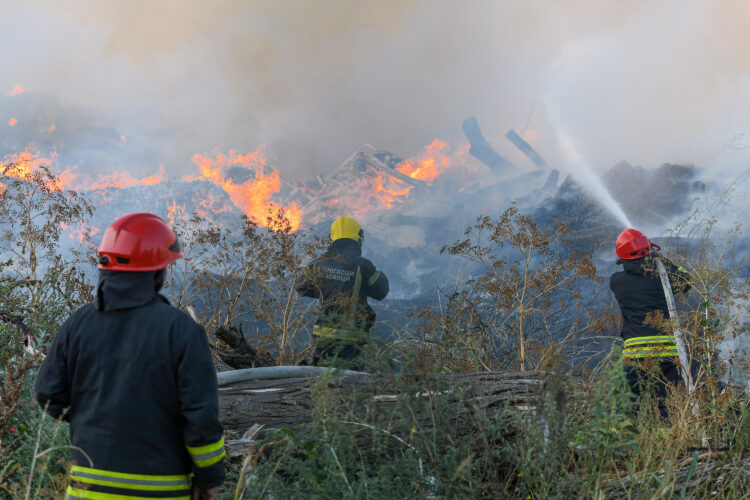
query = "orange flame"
{"x": 252, "y": 196}
{"x": 16, "y": 90}
{"x": 12, "y": 122}
{"x": 428, "y": 164}
{"x": 79, "y": 232}
{"x": 210, "y": 204}
{"x": 120, "y": 180}
{"x": 387, "y": 195}
{"x": 92, "y": 233}
{"x": 51, "y": 128}
{"x": 22, "y": 166}
{"x": 173, "y": 211}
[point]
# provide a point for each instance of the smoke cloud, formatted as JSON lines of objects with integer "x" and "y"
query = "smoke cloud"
{"x": 649, "y": 82}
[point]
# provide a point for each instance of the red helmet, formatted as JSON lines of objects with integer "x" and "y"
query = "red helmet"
{"x": 632, "y": 244}
{"x": 138, "y": 242}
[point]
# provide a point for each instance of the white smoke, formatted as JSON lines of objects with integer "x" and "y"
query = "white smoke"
{"x": 646, "y": 81}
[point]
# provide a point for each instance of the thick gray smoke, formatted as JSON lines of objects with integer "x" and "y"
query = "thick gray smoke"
{"x": 646, "y": 81}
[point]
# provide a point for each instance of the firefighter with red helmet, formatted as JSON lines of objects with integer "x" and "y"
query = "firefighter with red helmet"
{"x": 640, "y": 295}
{"x": 342, "y": 280}
{"x": 135, "y": 378}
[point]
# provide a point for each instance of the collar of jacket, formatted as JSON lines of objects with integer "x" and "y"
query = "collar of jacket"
{"x": 635, "y": 266}
{"x": 124, "y": 290}
{"x": 346, "y": 246}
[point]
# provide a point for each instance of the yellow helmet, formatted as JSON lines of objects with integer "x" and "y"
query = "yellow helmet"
{"x": 345, "y": 227}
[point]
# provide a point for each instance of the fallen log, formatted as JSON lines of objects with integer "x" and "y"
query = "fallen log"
{"x": 288, "y": 401}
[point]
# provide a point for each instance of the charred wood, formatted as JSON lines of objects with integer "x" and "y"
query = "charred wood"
{"x": 481, "y": 149}
{"x": 241, "y": 354}
{"x": 27, "y": 336}
{"x": 395, "y": 173}
{"x": 526, "y": 149}
{"x": 510, "y": 187}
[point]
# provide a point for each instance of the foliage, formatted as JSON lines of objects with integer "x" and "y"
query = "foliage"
{"x": 600, "y": 446}
{"x": 245, "y": 275}
{"x": 33, "y": 213}
{"x": 38, "y": 290}
{"x": 524, "y": 305}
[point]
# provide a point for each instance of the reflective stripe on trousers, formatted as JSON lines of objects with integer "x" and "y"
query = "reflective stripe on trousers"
{"x": 125, "y": 486}
{"x": 76, "y": 494}
{"x": 657, "y": 346}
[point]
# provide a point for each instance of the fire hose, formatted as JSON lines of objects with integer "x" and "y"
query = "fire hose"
{"x": 679, "y": 335}
{"x": 277, "y": 372}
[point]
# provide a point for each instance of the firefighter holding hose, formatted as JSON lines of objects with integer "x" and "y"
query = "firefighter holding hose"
{"x": 342, "y": 280}
{"x": 640, "y": 294}
{"x": 135, "y": 379}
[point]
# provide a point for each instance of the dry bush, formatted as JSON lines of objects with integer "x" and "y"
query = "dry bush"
{"x": 39, "y": 288}
{"x": 522, "y": 308}
{"x": 245, "y": 276}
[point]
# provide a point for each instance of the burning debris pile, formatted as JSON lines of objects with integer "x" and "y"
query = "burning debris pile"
{"x": 410, "y": 207}
{"x": 372, "y": 182}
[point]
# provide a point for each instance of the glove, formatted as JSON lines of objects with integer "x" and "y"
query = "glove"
{"x": 209, "y": 494}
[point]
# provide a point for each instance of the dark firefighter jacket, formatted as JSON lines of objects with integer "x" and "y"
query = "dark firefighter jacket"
{"x": 343, "y": 280}
{"x": 135, "y": 379}
{"x": 639, "y": 291}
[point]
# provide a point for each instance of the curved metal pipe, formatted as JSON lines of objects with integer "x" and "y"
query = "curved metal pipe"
{"x": 276, "y": 372}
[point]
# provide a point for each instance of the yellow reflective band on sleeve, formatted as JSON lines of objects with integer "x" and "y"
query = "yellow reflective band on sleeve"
{"x": 77, "y": 493}
{"x": 681, "y": 269}
{"x": 373, "y": 278}
{"x": 335, "y": 333}
{"x": 208, "y": 454}
{"x": 123, "y": 480}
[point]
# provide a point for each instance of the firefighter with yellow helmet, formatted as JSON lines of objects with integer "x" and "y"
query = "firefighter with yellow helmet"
{"x": 342, "y": 280}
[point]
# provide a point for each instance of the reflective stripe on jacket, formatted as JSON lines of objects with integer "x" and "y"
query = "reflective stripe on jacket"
{"x": 339, "y": 334}
{"x": 88, "y": 483}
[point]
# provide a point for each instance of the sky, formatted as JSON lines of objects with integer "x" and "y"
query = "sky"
{"x": 644, "y": 81}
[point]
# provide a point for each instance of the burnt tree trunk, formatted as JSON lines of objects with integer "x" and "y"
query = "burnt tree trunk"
{"x": 289, "y": 402}
{"x": 241, "y": 354}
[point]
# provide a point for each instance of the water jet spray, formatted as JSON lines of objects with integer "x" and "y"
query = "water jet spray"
{"x": 589, "y": 179}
